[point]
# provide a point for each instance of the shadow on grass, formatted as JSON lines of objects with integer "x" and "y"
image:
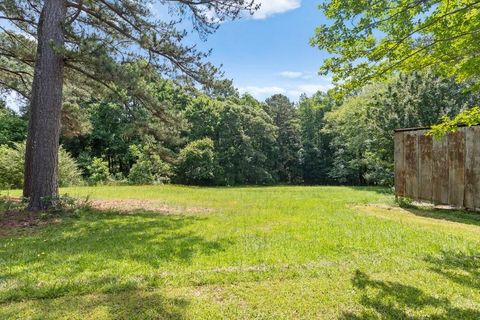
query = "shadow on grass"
{"x": 101, "y": 252}
{"x": 465, "y": 217}
{"x": 126, "y": 305}
{"x": 379, "y": 190}
{"x": 463, "y": 269}
{"x": 394, "y": 300}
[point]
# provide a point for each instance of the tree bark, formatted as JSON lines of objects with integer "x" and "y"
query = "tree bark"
{"x": 41, "y": 158}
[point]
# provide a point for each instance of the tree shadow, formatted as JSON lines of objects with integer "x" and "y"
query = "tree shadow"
{"x": 125, "y": 305}
{"x": 466, "y": 217}
{"x": 394, "y": 300}
{"x": 101, "y": 252}
{"x": 376, "y": 189}
{"x": 463, "y": 269}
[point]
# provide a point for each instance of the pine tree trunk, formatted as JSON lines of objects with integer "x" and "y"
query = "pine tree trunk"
{"x": 41, "y": 159}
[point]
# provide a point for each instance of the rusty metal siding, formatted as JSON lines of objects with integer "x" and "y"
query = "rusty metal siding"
{"x": 440, "y": 172}
{"x": 411, "y": 165}
{"x": 399, "y": 164}
{"x": 444, "y": 172}
{"x": 470, "y": 176}
{"x": 456, "y": 168}
{"x": 425, "y": 168}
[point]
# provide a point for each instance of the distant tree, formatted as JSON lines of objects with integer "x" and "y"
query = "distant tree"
{"x": 98, "y": 171}
{"x": 317, "y": 154}
{"x": 149, "y": 168}
{"x": 13, "y": 127}
{"x": 372, "y": 39}
{"x": 287, "y": 160}
{"x": 418, "y": 99}
{"x": 223, "y": 89}
{"x": 245, "y": 145}
{"x": 197, "y": 163}
{"x": 96, "y": 41}
{"x": 112, "y": 131}
{"x": 203, "y": 116}
{"x": 362, "y": 128}
{"x": 348, "y": 127}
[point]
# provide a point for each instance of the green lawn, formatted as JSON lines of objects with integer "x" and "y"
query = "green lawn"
{"x": 245, "y": 253}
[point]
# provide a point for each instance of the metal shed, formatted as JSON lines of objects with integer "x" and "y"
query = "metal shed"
{"x": 443, "y": 172}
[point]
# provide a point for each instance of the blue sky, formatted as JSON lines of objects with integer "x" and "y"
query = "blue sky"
{"x": 270, "y": 52}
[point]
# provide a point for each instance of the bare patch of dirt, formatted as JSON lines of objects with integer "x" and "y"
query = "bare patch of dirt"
{"x": 13, "y": 219}
{"x": 18, "y": 220}
{"x": 135, "y": 206}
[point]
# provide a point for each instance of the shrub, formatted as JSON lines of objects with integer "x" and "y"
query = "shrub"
{"x": 12, "y": 162}
{"x": 149, "y": 168}
{"x": 197, "y": 163}
{"x": 12, "y": 166}
{"x": 404, "y": 202}
{"x": 98, "y": 171}
{"x": 64, "y": 203}
{"x": 69, "y": 174}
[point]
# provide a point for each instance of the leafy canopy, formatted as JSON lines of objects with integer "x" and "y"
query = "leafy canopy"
{"x": 115, "y": 45}
{"x": 371, "y": 39}
{"x": 470, "y": 117}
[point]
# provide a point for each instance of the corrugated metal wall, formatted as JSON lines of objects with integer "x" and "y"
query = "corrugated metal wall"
{"x": 444, "y": 172}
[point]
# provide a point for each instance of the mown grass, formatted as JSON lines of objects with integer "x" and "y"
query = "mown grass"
{"x": 256, "y": 253}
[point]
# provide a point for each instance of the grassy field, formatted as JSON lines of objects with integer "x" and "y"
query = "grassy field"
{"x": 243, "y": 253}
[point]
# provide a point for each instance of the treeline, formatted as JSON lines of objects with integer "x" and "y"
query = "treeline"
{"x": 223, "y": 138}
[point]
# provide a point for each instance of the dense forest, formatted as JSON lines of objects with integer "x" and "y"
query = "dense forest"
{"x": 219, "y": 137}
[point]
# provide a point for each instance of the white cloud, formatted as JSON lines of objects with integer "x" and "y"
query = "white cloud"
{"x": 262, "y": 92}
{"x": 291, "y": 74}
{"x": 296, "y": 75}
{"x": 271, "y": 7}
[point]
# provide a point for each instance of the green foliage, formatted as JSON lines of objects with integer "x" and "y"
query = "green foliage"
{"x": 99, "y": 172}
{"x": 69, "y": 173}
{"x": 243, "y": 135}
{"x": 322, "y": 140}
{"x": 362, "y": 128}
{"x": 149, "y": 168}
{"x": 13, "y": 128}
{"x": 12, "y": 166}
{"x": 245, "y": 145}
{"x": 349, "y": 130}
{"x": 316, "y": 153}
{"x": 12, "y": 162}
{"x": 203, "y": 116}
{"x": 197, "y": 163}
{"x": 287, "y": 167}
{"x": 116, "y": 47}
{"x": 75, "y": 120}
{"x": 372, "y": 40}
{"x": 64, "y": 203}
{"x": 404, "y": 202}
{"x": 116, "y": 125}
{"x": 470, "y": 117}
{"x": 113, "y": 131}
